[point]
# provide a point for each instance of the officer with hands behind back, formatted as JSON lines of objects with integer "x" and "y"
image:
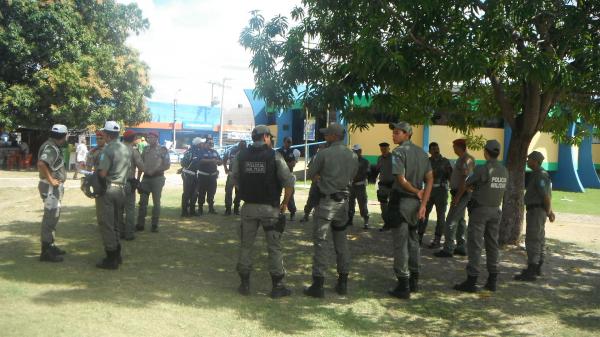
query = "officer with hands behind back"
{"x": 260, "y": 173}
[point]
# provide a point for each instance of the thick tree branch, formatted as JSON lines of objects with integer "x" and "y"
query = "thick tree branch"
{"x": 500, "y": 95}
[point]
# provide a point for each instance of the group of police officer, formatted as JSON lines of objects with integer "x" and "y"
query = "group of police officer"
{"x": 117, "y": 166}
{"x": 408, "y": 189}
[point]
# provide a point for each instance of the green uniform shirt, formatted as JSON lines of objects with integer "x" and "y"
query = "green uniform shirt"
{"x": 93, "y": 157}
{"x": 538, "y": 187}
{"x": 336, "y": 165}
{"x": 51, "y": 154}
{"x": 489, "y": 183}
{"x": 441, "y": 169}
{"x": 116, "y": 161}
{"x": 156, "y": 159}
{"x": 384, "y": 165}
{"x": 410, "y": 161}
{"x": 136, "y": 160}
{"x": 462, "y": 169}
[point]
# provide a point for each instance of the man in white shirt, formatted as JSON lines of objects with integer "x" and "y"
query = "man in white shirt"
{"x": 81, "y": 153}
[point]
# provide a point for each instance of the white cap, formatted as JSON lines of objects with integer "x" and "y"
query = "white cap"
{"x": 296, "y": 153}
{"x": 59, "y": 128}
{"x": 196, "y": 141}
{"x": 112, "y": 126}
{"x": 356, "y": 147}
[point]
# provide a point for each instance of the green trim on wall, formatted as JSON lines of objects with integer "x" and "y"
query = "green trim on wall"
{"x": 547, "y": 166}
{"x": 371, "y": 159}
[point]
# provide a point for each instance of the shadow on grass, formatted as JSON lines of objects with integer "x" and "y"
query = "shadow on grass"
{"x": 191, "y": 262}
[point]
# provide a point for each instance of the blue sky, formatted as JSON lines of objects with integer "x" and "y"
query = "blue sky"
{"x": 193, "y": 42}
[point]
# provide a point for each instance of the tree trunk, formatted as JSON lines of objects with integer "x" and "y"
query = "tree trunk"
{"x": 512, "y": 207}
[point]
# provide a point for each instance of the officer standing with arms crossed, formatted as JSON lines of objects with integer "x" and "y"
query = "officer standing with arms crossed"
{"x": 260, "y": 173}
{"x": 454, "y": 237}
{"x": 52, "y": 175}
{"x": 413, "y": 183}
{"x": 333, "y": 168}
{"x": 189, "y": 174}
{"x": 207, "y": 176}
{"x": 442, "y": 170}
{"x": 488, "y": 183}
{"x": 386, "y": 178}
{"x": 358, "y": 189}
{"x": 229, "y": 185}
{"x": 156, "y": 162}
{"x": 127, "y": 228}
{"x": 538, "y": 203}
{"x": 115, "y": 163}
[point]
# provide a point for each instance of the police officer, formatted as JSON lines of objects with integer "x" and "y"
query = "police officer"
{"x": 52, "y": 175}
{"x": 358, "y": 189}
{"x": 333, "y": 168}
{"x": 488, "y": 182}
{"x": 288, "y": 155}
{"x": 156, "y": 161}
{"x": 260, "y": 173}
{"x": 538, "y": 203}
{"x": 189, "y": 174}
{"x": 386, "y": 178}
{"x": 93, "y": 157}
{"x": 454, "y": 237}
{"x": 207, "y": 176}
{"x": 115, "y": 163}
{"x": 413, "y": 183}
{"x": 229, "y": 185}
{"x": 127, "y": 228}
{"x": 439, "y": 195}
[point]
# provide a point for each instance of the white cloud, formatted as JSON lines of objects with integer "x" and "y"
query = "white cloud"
{"x": 193, "y": 42}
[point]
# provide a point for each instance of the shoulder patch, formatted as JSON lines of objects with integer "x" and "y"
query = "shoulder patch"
{"x": 44, "y": 156}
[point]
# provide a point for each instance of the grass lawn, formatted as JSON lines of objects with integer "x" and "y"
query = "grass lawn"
{"x": 182, "y": 282}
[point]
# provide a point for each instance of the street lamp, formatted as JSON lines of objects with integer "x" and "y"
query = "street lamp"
{"x": 175, "y": 118}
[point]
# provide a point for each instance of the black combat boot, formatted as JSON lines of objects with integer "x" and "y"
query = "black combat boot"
{"x": 491, "y": 282}
{"x": 529, "y": 274}
{"x": 402, "y": 289}
{"x": 442, "y": 253}
{"x": 119, "y": 257}
{"x": 244, "y": 288}
{"x": 538, "y": 270}
{"x": 110, "y": 261}
{"x": 227, "y": 211}
{"x": 435, "y": 243}
{"x": 292, "y": 216}
{"x": 211, "y": 209}
{"x": 48, "y": 255}
{"x": 316, "y": 288}
{"x": 56, "y": 250}
{"x": 279, "y": 289}
{"x": 366, "y": 223}
{"x": 469, "y": 285}
{"x": 413, "y": 282}
{"x": 342, "y": 284}
{"x": 139, "y": 228}
{"x": 236, "y": 209}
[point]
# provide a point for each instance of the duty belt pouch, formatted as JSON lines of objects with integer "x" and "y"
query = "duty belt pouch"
{"x": 393, "y": 218}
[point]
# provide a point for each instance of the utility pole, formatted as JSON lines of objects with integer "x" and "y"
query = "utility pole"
{"x": 213, "y": 102}
{"x": 175, "y": 118}
{"x": 221, "y": 126}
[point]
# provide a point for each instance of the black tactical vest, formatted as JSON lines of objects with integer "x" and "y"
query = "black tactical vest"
{"x": 258, "y": 183}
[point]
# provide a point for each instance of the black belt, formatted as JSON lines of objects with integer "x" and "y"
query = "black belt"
{"x": 386, "y": 184}
{"x": 533, "y": 206}
{"x": 408, "y": 196}
{"x": 154, "y": 176}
